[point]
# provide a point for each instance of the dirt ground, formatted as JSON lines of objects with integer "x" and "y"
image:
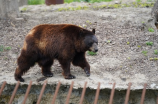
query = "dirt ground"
{"x": 123, "y": 54}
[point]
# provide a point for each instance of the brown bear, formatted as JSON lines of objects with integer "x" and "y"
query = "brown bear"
{"x": 65, "y": 42}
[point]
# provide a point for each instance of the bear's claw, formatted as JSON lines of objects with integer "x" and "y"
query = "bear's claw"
{"x": 87, "y": 72}
{"x": 50, "y": 74}
{"x": 20, "y": 79}
{"x": 70, "y": 77}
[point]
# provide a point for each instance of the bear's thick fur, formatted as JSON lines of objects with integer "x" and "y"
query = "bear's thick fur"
{"x": 65, "y": 42}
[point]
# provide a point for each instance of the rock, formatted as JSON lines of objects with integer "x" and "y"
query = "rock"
{"x": 19, "y": 19}
{"x": 117, "y": 2}
{"x": 152, "y": 85}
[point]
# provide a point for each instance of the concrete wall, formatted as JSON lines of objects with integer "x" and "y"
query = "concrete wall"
{"x": 119, "y": 96}
{"x": 9, "y": 8}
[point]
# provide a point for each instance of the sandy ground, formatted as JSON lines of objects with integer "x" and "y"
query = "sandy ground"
{"x": 122, "y": 38}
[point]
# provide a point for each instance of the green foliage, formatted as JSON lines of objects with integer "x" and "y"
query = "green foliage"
{"x": 127, "y": 43}
{"x": 84, "y": 25}
{"x": 149, "y": 43}
{"x": 69, "y": 1}
{"x": 78, "y": 8}
{"x": 86, "y": 8}
{"x": 24, "y": 9}
{"x": 134, "y": 4}
{"x": 88, "y": 22}
{"x": 79, "y": 25}
{"x": 154, "y": 59}
{"x": 140, "y": 4}
{"x": 36, "y": 2}
{"x": 5, "y": 58}
{"x": 143, "y": 22}
{"x": 145, "y": 52}
{"x": 73, "y": 8}
{"x": 128, "y": 58}
{"x": 150, "y": 29}
{"x": 126, "y": 5}
{"x": 7, "y": 48}
{"x": 139, "y": 46}
{"x": 138, "y": 0}
{"x": 101, "y": 6}
{"x": 92, "y": 53}
{"x": 156, "y": 52}
{"x": 108, "y": 41}
{"x": 1, "y": 48}
{"x": 114, "y": 6}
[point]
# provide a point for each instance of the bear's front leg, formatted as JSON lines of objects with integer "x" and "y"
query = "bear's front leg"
{"x": 46, "y": 71}
{"x": 80, "y": 60}
{"x": 66, "y": 69}
{"x": 87, "y": 71}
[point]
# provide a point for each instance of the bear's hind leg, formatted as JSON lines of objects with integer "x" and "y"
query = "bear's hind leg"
{"x": 24, "y": 63}
{"x": 66, "y": 69}
{"x": 46, "y": 64}
{"x": 18, "y": 74}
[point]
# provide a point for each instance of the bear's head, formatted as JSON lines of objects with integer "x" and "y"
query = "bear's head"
{"x": 90, "y": 41}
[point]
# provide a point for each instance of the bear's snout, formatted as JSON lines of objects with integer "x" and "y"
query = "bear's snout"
{"x": 94, "y": 47}
{"x": 96, "y": 50}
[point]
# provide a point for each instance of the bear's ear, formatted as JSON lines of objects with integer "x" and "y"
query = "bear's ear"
{"x": 93, "y": 30}
{"x": 81, "y": 33}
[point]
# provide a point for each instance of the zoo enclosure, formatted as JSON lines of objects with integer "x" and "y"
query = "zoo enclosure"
{"x": 69, "y": 93}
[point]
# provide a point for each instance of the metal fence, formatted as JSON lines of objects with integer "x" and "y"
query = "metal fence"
{"x": 70, "y": 90}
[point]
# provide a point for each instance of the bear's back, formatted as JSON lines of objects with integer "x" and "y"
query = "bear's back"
{"x": 46, "y": 30}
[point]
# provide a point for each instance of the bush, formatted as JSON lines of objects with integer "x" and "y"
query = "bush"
{"x": 36, "y": 2}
